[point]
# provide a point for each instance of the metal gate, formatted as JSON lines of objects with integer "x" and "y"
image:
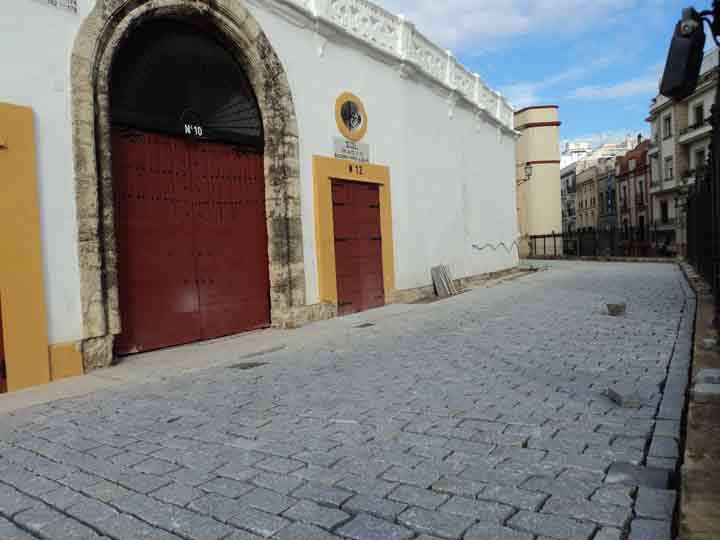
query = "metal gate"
{"x": 192, "y": 240}
{"x": 358, "y": 246}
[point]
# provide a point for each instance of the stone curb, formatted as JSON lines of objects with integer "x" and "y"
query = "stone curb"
{"x": 700, "y": 477}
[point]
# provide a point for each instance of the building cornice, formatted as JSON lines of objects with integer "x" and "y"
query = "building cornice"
{"x": 538, "y": 125}
{"x": 543, "y": 162}
{"x": 397, "y": 42}
{"x": 536, "y": 107}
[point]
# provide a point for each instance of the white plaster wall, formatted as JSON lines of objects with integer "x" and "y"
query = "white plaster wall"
{"x": 36, "y": 40}
{"x": 452, "y": 178}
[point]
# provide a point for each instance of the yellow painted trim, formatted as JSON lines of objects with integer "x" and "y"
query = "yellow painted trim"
{"x": 352, "y": 135}
{"x": 65, "y": 361}
{"x": 21, "y": 267}
{"x": 324, "y": 171}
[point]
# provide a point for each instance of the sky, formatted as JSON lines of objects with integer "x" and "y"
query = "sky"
{"x": 599, "y": 60}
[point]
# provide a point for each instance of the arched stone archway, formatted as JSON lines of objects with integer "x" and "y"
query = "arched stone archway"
{"x": 100, "y": 36}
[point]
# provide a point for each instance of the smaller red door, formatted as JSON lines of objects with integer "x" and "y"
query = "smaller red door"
{"x": 358, "y": 246}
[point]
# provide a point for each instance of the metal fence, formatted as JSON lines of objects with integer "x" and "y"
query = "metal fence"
{"x": 703, "y": 228}
{"x": 613, "y": 242}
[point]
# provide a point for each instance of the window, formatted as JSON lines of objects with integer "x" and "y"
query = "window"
{"x": 668, "y": 169}
{"x": 667, "y": 127}
{"x": 699, "y": 114}
{"x": 664, "y": 215}
{"x": 700, "y": 158}
{"x": 602, "y": 201}
{"x": 640, "y": 198}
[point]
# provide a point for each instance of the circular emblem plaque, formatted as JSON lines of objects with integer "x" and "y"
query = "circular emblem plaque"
{"x": 351, "y": 117}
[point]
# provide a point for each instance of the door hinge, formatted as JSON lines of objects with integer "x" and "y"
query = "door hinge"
{"x": 376, "y": 238}
{"x": 343, "y": 304}
{"x": 342, "y": 238}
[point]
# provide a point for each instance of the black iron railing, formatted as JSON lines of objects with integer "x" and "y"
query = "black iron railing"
{"x": 607, "y": 242}
{"x": 703, "y": 230}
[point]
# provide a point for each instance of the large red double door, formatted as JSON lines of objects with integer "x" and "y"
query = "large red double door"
{"x": 358, "y": 246}
{"x": 192, "y": 240}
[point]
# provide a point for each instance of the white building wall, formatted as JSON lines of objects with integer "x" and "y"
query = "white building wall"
{"x": 36, "y": 40}
{"x": 452, "y": 178}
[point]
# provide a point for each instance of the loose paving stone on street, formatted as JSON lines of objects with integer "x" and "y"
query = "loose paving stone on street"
{"x": 481, "y": 417}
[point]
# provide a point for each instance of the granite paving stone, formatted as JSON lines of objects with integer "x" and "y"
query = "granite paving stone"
{"x": 10, "y": 531}
{"x": 367, "y": 527}
{"x": 299, "y": 531}
{"x": 553, "y": 526}
{"x": 655, "y": 503}
{"x": 267, "y": 501}
{"x": 414, "y": 496}
{"x": 583, "y": 510}
{"x": 644, "y": 529}
{"x": 489, "y": 531}
{"x": 435, "y": 523}
{"x": 325, "y": 495}
{"x": 313, "y": 513}
{"x": 258, "y": 522}
{"x": 375, "y": 506}
{"x": 479, "y": 510}
{"x": 519, "y": 498}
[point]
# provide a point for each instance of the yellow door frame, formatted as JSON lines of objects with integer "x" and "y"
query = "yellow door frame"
{"x": 21, "y": 271}
{"x": 29, "y": 360}
{"x": 325, "y": 170}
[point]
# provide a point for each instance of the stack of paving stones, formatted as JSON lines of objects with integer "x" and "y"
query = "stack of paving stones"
{"x": 479, "y": 418}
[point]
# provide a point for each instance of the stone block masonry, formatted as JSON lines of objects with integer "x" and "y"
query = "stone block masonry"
{"x": 481, "y": 417}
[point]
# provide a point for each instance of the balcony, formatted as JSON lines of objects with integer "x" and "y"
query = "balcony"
{"x": 665, "y": 224}
{"x": 654, "y": 145}
{"x": 640, "y": 203}
{"x": 666, "y": 184}
{"x": 695, "y": 131}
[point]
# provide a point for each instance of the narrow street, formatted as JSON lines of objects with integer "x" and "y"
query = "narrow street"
{"x": 480, "y": 417}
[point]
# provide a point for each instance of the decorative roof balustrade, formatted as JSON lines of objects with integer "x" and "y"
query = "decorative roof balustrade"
{"x": 397, "y": 37}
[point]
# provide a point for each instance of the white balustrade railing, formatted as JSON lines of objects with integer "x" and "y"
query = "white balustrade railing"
{"x": 395, "y": 36}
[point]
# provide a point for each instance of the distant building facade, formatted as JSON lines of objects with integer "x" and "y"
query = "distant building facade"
{"x": 574, "y": 152}
{"x": 680, "y": 137}
{"x": 633, "y": 186}
{"x": 607, "y": 206}
{"x": 587, "y": 193}
{"x": 568, "y": 197}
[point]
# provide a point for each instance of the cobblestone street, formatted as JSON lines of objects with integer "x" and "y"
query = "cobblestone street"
{"x": 480, "y": 417}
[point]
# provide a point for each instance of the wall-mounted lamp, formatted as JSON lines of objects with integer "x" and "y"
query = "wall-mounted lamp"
{"x": 528, "y": 174}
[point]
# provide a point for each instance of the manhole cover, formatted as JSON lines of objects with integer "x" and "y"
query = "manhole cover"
{"x": 365, "y": 325}
{"x": 248, "y": 365}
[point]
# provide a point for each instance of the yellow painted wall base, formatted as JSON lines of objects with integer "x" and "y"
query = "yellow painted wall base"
{"x": 325, "y": 170}
{"x": 22, "y": 286}
{"x": 65, "y": 361}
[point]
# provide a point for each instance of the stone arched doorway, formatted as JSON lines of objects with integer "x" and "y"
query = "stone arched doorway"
{"x": 100, "y": 38}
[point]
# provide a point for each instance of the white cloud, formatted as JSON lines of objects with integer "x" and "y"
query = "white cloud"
{"x": 633, "y": 87}
{"x": 524, "y": 94}
{"x": 611, "y": 136}
{"x": 480, "y": 24}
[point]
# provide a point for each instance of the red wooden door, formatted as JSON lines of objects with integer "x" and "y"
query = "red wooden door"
{"x": 231, "y": 240}
{"x": 169, "y": 205}
{"x": 358, "y": 246}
